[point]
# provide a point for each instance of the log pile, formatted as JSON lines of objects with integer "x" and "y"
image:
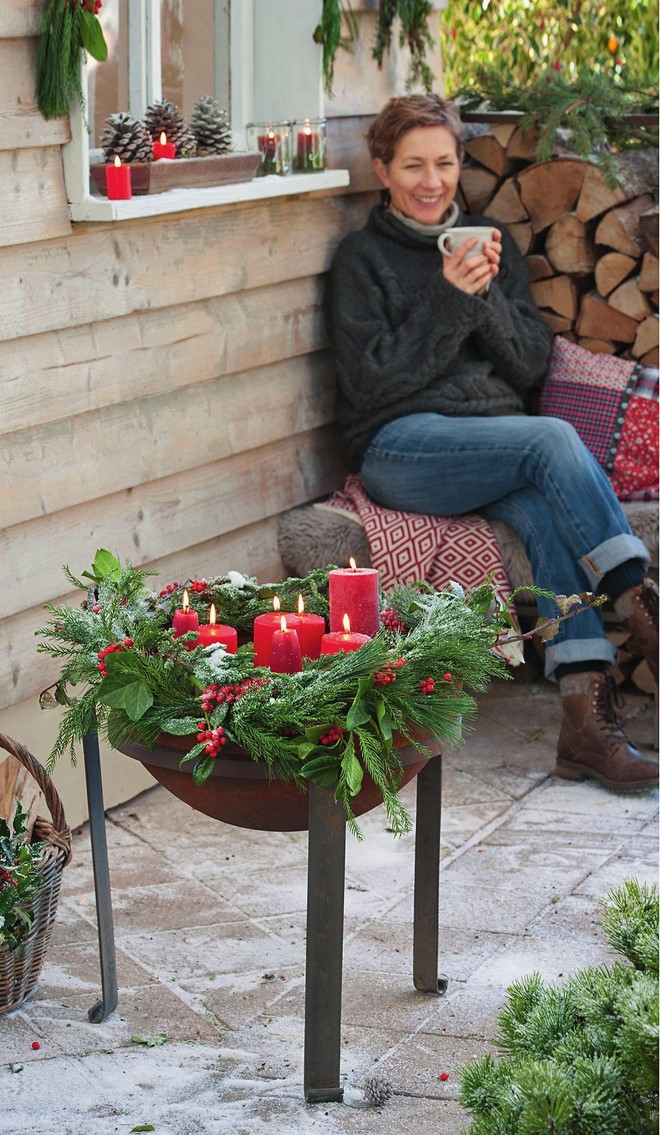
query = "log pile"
{"x": 592, "y": 251}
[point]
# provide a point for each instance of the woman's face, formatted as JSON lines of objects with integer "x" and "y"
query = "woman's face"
{"x": 422, "y": 177}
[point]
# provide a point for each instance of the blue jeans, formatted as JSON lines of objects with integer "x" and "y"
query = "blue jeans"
{"x": 537, "y": 476}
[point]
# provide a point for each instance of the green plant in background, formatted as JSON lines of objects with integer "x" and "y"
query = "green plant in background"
{"x": 409, "y": 18}
{"x": 519, "y": 41}
{"x": 19, "y": 880}
{"x": 580, "y": 1058}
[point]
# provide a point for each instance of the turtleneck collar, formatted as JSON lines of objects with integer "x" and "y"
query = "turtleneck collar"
{"x": 450, "y": 219}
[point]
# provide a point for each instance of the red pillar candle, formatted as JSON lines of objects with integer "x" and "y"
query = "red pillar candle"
{"x": 285, "y": 655}
{"x": 185, "y": 620}
{"x": 263, "y": 629}
{"x": 343, "y": 642}
{"x": 308, "y": 142}
{"x": 164, "y": 149}
{"x": 310, "y": 631}
{"x": 217, "y": 632}
{"x": 354, "y": 591}
{"x": 118, "y": 181}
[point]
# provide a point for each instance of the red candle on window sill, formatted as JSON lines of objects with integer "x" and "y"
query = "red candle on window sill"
{"x": 310, "y": 631}
{"x": 285, "y": 655}
{"x": 263, "y": 629}
{"x": 343, "y": 642}
{"x": 308, "y": 142}
{"x": 118, "y": 181}
{"x": 212, "y": 632}
{"x": 185, "y": 620}
{"x": 164, "y": 149}
{"x": 354, "y": 591}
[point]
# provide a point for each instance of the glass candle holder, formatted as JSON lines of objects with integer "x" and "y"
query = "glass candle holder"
{"x": 308, "y": 145}
{"x": 273, "y": 141}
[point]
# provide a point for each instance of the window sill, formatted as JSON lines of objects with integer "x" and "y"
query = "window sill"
{"x": 182, "y": 200}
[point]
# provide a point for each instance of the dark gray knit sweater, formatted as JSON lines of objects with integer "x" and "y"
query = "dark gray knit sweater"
{"x": 406, "y": 341}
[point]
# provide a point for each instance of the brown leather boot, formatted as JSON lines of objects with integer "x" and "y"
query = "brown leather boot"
{"x": 591, "y": 741}
{"x": 638, "y": 607}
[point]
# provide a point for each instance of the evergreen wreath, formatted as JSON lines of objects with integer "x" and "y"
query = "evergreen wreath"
{"x": 67, "y": 27}
{"x": 329, "y": 723}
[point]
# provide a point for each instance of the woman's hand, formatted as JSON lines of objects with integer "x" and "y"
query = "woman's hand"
{"x": 473, "y": 274}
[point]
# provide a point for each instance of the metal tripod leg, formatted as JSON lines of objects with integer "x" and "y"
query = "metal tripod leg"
{"x": 427, "y": 879}
{"x": 325, "y": 934}
{"x": 107, "y": 956}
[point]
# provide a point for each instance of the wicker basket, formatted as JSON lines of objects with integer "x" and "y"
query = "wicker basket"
{"x": 19, "y": 972}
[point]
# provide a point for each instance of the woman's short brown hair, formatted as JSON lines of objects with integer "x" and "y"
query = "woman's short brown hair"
{"x": 402, "y": 114}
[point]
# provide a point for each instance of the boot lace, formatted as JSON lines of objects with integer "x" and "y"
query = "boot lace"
{"x": 606, "y": 702}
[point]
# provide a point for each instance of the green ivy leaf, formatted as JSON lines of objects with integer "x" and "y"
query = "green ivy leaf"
{"x": 323, "y": 770}
{"x": 352, "y": 770}
{"x": 91, "y": 35}
{"x": 358, "y": 714}
{"x": 384, "y": 720}
{"x": 127, "y": 693}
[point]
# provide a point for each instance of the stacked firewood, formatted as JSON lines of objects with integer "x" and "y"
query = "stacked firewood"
{"x": 591, "y": 249}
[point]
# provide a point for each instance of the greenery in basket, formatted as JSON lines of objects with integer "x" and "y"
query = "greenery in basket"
{"x": 580, "y": 1058}
{"x": 328, "y": 723}
{"x": 19, "y": 880}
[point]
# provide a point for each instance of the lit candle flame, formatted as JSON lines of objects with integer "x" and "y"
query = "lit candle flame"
{"x": 283, "y": 625}
{"x": 185, "y": 602}
{"x": 353, "y": 564}
{"x": 347, "y": 624}
{"x": 117, "y": 161}
{"x": 212, "y": 615}
{"x": 163, "y": 138}
{"x": 276, "y": 603}
{"x": 301, "y": 604}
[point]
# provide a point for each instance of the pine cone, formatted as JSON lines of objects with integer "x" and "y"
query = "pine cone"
{"x": 126, "y": 138}
{"x": 210, "y": 125}
{"x": 377, "y": 1090}
{"x": 163, "y": 117}
{"x": 188, "y": 147}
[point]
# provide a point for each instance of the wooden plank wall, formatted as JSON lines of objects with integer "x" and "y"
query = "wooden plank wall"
{"x": 165, "y": 387}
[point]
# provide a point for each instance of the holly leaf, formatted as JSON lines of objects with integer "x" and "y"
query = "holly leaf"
{"x": 384, "y": 720}
{"x": 358, "y": 714}
{"x": 105, "y": 566}
{"x": 180, "y": 726}
{"x": 323, "y": 770}
{"x": 203, "y": 770}
{"x": 194, "y": 752}
{"x": 352, "y": 770}
{"x": 91, "y": 35}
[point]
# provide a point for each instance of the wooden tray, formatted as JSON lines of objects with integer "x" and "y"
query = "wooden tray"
{"x": 184, "y": 173}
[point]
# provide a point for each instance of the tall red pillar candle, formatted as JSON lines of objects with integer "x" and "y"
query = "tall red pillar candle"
{"x": 263, "y": 629}
{"x": 343, "y": 642}
{"x": 118, "y": 181}
{"x": 164, "y": 149}
{"x": 185, "y": 620}
{"x": 354, "y": 591}
{"x": 217, "y": 632}
{"x": 310, "y": 631}
{"x": 285, "y": 655}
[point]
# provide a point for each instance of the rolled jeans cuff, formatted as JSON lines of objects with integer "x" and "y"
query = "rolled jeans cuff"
{"x": 578, "y": 650}
{"x": 611, "y": 554}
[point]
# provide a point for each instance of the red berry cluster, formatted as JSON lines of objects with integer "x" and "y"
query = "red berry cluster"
{"x": 331, "y": 736}
{"x": 198, "y": 585}
{"x": 427, "y": 685}
{"x": 169, "y": 589}
{"x": 213, "y": 739}
{"x": 391, "y": 620}
{"x": 384, "y": 677}
{"x": 93, "y": 6}
{"x": 112, "y": 649}
{"x": 7, "y": 880}
{"x": 215, "y": 695}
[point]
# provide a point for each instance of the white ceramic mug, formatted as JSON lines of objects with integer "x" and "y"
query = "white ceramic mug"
{"x": 452, "y": 239}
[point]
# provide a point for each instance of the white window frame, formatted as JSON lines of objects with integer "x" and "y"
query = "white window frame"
{"x": 145, "y": 87}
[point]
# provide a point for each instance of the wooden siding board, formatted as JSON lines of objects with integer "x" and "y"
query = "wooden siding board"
{"x": 33, "y": 204}
{"x": 158, "y": 518}
{"x": 24, "y": 672}
{"x": 106, "y": 272}
{"x": 20, "y": 17}
{"x": 82, "y": 369}
{"x": 21, "y": 123}
{"x": 91, "y": 455}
